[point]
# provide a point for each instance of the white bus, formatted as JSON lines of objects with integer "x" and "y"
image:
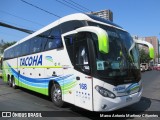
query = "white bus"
{"x": 79, "y": 59}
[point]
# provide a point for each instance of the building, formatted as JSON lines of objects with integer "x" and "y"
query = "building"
{"x": 106, "y": 14}
{"x": 154, "y": 41}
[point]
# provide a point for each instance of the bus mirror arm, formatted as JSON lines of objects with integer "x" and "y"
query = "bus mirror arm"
{"x": 103, "y": 40}
{"x": 149, "y": 45}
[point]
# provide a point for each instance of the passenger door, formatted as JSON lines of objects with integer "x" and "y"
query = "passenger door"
{"x": 80, "y": 85}
{"x": 83, "y": 89}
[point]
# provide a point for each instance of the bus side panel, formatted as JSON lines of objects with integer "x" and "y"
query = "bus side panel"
{"x": 8, "y": 67}
{"x": 32, "y": 73}
{"x": 59, "y": 69}
{"x": 5, "y": 71}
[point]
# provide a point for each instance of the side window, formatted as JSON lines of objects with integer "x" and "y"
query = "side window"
{"x": 81, "y": 54}
{"x": 54, "y": 39}
{"x": 16, "y": 51}
{"x": 82, "y": 59}
{"x": 9, "y": 54}
{"x": 36, "y": 44}
{"x": 71, "y": 25}
{"x": 4, "y": 57}
{"x": 12, "y": 53}
{"x": 69, "y": 45}
{"x": 25, "y": 47}
{"x": 6, "y": 54}
{"x": 20, "y": 49}
{"x": 44, "y": 36}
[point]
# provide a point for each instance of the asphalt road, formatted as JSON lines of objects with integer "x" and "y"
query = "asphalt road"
{"x": 24, "y": 100}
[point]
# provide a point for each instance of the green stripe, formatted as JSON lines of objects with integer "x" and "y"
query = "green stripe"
{"x": 43, "y": 91}
{"x": 69, "y": 86}
{"x": 33, "y": 67}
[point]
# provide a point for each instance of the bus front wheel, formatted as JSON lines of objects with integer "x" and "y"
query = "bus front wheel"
{"x": 56, "y": 95}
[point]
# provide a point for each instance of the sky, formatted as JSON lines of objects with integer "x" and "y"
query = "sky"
{"x": 138, "y": 17}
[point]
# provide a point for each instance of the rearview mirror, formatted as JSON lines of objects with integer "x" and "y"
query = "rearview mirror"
{"x": 150, "y": 46}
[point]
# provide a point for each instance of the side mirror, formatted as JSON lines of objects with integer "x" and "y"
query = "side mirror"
{"x": 150, "y": 46}
{"x": 103, "y": 40}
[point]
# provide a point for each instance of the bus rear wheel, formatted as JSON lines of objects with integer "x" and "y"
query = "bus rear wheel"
{"x": 9, "y": 82}
{"x": 56, "y": 95}
{"x": 13, "y": 83}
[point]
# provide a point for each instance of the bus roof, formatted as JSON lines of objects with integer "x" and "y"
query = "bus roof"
{"x": 76, "y": 16}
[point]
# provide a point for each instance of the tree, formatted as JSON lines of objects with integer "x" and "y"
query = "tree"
{"x": 144, "y": 57}
{"x": 6, "y": 45}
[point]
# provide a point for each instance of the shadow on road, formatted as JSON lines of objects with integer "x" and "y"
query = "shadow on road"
{"x": 137, "y": 108}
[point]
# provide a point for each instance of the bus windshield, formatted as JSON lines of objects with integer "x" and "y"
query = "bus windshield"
{"x": 123, "y": 57}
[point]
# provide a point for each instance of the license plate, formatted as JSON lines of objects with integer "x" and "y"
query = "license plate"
{"x": 128, "y": 99}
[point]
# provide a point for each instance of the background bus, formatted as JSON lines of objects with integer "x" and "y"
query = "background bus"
{"x": 80, "y": 59}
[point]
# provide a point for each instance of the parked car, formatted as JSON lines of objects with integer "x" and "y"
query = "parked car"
{"x": 145, "y": 65}
{"x": 158, "y": 67}
{"x": 150, "y": 67}
{"x": 155, "y": 67}
{"x": 142, "y": 68}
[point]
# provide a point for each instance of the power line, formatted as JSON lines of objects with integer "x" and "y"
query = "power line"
{"x": 69, "y": 6}
{"x": 21, "y": 18}
{"x": 80, "y": 5}
{"x": 41, "y": 9}
{"x": 74, "y": 5}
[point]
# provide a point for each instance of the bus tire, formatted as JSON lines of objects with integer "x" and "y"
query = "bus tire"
{"x": 56, "y": 95}
{"x": 13, "y": 83}
{"x": 9, "y": 82}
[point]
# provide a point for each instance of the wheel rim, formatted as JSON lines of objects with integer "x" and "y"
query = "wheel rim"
{"x": 10, "y": 81}
{"x": 13, "y": 84}
{"x": 57, "y": 95}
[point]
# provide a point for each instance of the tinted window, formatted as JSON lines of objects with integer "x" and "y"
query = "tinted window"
{"x": 44, "y": 37}
{"x": 36, "y": 45}
{"x": 5, "y": 55}
{"x": 71, "y": 25}
{"x": 25, "y": 47}
{"x": 12, "y": 55}
{"x": 69, "y": 45}
{"x": 54, "y": 39}
{"x": 16, "y": 51}
{"x": 103, "y": 20}
{"x": 81, "y": 53}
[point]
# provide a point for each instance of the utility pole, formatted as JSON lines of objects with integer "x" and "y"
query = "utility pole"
{"x": 16, "y": 28}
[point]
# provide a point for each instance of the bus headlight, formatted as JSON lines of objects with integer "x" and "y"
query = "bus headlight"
{"x": 104, "y": 92}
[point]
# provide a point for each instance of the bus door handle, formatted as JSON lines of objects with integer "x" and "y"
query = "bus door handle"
{"x": 89, "y": 77}
{"x": 77, "y": 78}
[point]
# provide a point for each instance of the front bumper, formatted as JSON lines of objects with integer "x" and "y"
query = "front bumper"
{"x": 109, "y": 104}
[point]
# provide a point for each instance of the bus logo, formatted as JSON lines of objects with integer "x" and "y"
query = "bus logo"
{"x": 31, "y": 61}
{"x": 128, "y": 90}
{"x": 132, "y": 87}
{"x": 49, "y": 58}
